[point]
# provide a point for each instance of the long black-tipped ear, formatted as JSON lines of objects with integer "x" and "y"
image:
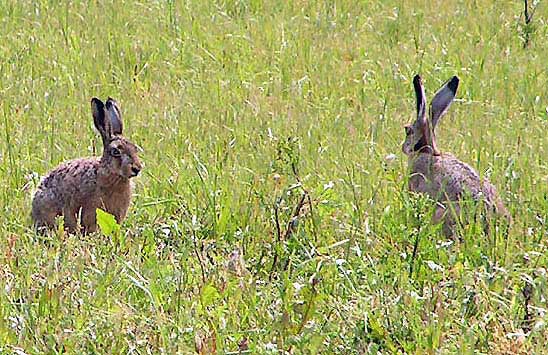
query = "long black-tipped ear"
{"x": 115, "y": 116}
{"x": 427, "y": 142}
{"x": 421, "y": 98}
{"x": 100, "y": 120}
{"x": 443, "y": 99}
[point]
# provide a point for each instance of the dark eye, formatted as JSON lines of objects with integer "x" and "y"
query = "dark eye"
{"x": 408, "y": 130}
{"x": 115, "y": 152}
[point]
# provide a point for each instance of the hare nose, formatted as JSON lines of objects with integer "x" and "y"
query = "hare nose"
{"x": 135, "y": 170}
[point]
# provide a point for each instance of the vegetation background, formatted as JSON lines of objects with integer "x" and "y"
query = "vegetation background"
{"x": 272, "y": 214}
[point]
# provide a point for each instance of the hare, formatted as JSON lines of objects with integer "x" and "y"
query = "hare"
{"x": 80, "y": 186}
{"x": 441, "y": 176}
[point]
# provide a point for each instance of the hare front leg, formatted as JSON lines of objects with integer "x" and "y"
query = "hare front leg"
{"x": 445, "y": 215}
{"x": 89, "y": 219}
{"x": 70, "y": 220}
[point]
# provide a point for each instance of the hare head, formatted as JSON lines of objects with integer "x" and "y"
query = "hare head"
{"x": 420, "y": 137}
{"x": 119, "y": 154}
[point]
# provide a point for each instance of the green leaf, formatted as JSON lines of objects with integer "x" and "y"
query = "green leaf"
{"x": 107, "y": 223}
{"x": 224, "y": 217}
{"x": 209, "y": 295}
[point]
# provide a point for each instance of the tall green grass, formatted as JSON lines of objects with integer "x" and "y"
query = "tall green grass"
{"x": 270, "y": 215}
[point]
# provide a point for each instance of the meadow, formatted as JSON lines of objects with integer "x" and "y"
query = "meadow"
{"x": 272, "y": 214}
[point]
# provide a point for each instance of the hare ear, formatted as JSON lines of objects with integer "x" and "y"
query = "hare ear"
{"x": 443, "y": 99}
{"x": 115, "y": 116}
{"x": 100, "y": 120}
{"x": 421, "y": 98}
{"x": 426, "y": 143}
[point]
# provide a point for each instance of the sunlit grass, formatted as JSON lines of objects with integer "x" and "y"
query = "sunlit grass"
{"x": 269, "y": 131}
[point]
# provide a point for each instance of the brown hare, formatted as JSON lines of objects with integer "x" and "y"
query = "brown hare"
{"x": 441, "y": 176}
{"x": 80, "y": 186}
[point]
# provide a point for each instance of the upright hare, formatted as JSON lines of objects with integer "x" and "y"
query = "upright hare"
{"x": 80, "y": 186}
{"x": 441, "y": 176}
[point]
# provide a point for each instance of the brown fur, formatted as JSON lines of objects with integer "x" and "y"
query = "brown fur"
{"x": 442, "y": 176}
{"x": 448, "y": 180}
{"x": 80, "y": 186}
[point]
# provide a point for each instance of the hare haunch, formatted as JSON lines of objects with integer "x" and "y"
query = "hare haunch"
{"x": 441, "y": 176}
{"x": 80, "y": 186}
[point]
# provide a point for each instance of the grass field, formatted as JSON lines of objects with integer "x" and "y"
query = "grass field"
{"x": 272, "y": 213}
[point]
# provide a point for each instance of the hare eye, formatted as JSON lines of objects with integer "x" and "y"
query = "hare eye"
{"x": 115, "y": 152}
{"x": 408, "y": 130}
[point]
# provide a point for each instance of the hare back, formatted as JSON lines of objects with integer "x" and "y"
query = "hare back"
{"x": 445, "y": 178}
{"x": 71, "y": 179}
